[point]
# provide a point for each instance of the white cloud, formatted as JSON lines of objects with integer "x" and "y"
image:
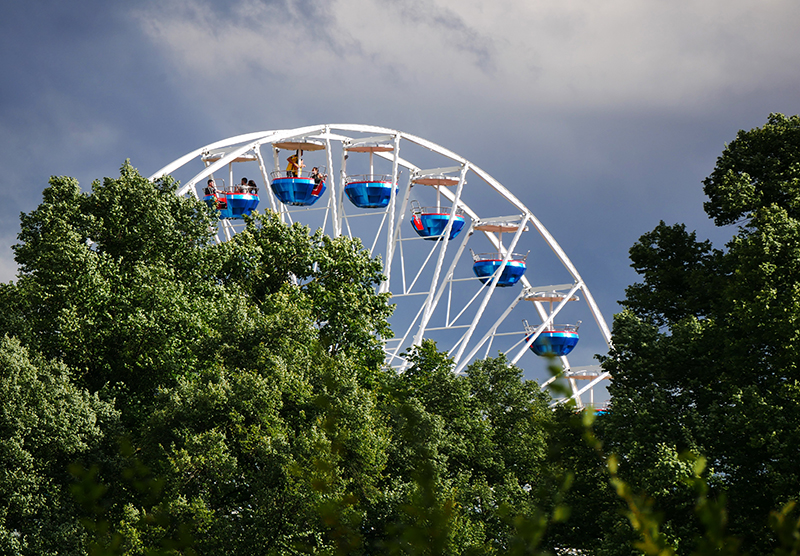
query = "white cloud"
{"x": 566, "y": 53}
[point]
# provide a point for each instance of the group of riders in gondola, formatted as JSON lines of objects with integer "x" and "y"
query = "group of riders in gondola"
{"x": 220, "y": 198}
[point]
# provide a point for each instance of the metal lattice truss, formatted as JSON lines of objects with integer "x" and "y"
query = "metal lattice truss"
{"x": 431, "y": 282}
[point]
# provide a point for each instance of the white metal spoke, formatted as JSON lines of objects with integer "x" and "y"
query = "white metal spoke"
{"x": 468, "y": 304}
{"x": 489, "y": 293}
{"x": 421, "y": 268}
{"x": 377, "y": 235}
{"x": 489, "y": 334}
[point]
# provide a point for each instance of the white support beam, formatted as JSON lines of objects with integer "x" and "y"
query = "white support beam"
{"x": 387, "y": 267}
{"x": 488, "y": 296}
{"x": 332, "y": 197}
{"x": 445, "y": 240}
{"x": 460, "y": 368}
{"x": 262, "y": 166}
{"x": 337, "y": 229}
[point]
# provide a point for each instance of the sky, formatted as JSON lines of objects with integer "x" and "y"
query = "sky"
{"x": 602, "y": 117}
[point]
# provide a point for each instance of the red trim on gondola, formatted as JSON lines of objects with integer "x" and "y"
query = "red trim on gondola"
{"x": 384, "y": 183}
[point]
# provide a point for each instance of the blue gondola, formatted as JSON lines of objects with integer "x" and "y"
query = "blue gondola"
{"x": 232, "y": 204}
{"x": 560, "y": 340}
{"x": 486, "y": 264}
{"x": 430, "y": 222}
{"x": 298, "y": 191}
{"x": 369, "y": 191}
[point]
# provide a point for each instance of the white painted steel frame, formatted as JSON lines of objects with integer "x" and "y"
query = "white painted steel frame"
{"x": 234, "y": 147}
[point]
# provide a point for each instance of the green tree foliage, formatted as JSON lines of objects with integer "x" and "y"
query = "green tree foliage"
{"x": 47, "y": 423}
{"x": 680, "y": 276}
{"x": 758, "y": 169}
{"x": 252, "y": 457}
{"x": 594, "y": 509}
{"x": 334, "y": 276}
{"x": 162, "y": 394}
{"x": 719, "y": 377}
{"x": 482, "y": 438}
{"x": 239, "y": 369}
{"x": 112, "y": 282}
{"x": 230, "y": 398}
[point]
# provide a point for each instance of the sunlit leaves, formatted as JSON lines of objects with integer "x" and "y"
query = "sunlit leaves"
{"x": 46, "y": 422}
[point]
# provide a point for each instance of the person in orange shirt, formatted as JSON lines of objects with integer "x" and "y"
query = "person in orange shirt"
{"x": 295, "y": 166}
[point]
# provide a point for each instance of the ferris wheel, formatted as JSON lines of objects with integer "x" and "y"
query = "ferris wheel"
{"x": 466, "y": 262}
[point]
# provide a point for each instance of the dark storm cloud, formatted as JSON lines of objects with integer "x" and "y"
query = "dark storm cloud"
{"x": 81, "y": 93}
{"x": 82, "y": 78}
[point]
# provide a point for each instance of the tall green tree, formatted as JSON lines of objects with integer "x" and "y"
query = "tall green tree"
{"x": 705, "y": 357}
{"x": 113, "y": 282}
{"x": 241, "y": 371}
{"x": 757, "y": 169}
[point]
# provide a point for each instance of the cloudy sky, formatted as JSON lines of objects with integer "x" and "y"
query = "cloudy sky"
{"x": 602, "y": 117}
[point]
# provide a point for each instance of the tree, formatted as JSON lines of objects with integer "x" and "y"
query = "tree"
{"x": 242, "y": 372}
{"x": 477, "y": 441}
{"x": 337, "y": 276}
{"x": 47, "y": 423}
{"x": 757, "y": 169}
{"x": 719, "y": 378}
{"x": 681, "y": 276}
{"x": 241, "y": 405}
{"x": 114, "y": 283}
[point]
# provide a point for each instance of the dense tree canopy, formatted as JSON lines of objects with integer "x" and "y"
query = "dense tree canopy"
{"x": 47, "y": 423}
{"x": 705, "y": 357}
{"x": 161, "y": 392}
